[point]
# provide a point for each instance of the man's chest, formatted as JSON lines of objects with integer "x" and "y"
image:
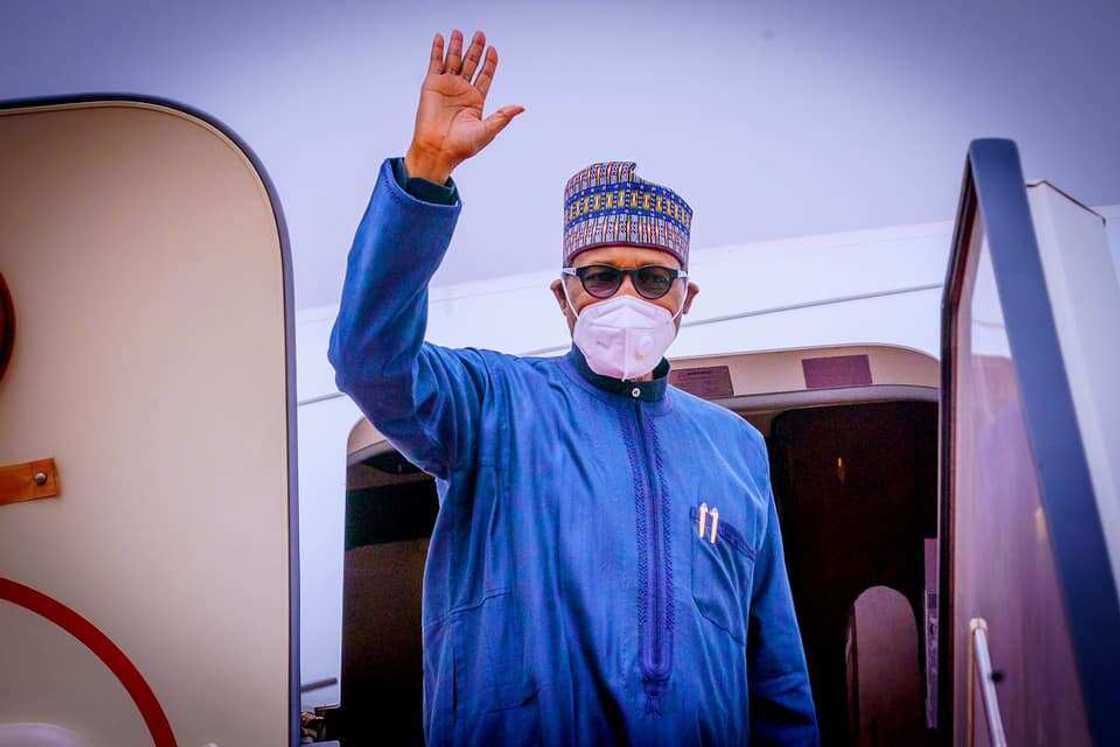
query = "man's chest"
{"x": 620, "y": 477}
{"x": 634, "y": 521}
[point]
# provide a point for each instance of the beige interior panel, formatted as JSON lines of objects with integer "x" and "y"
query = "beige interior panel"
{"x": 775, "y": 371}
{"x": 151, "y": 363}
{"x": 759, "y": 378}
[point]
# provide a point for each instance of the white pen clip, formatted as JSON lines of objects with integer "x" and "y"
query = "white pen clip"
{"x": 715, "y": 523}
{"x": 703, "y": 517}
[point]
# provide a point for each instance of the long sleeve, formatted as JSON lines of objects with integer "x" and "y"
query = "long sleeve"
{"x": 424, "y": 398}
{"x": 781, "y": 702}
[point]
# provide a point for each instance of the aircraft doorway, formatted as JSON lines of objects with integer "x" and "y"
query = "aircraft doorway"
{"x": 856, "y": 488}
{"x": 390, "y": 510}
{"x": 854, "y": 471}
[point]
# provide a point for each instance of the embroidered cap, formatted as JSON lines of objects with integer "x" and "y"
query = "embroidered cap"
{"x": 606, "y": 203}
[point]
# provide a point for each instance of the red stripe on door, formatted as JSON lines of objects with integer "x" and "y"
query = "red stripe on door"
{"x": 99, "y": 643}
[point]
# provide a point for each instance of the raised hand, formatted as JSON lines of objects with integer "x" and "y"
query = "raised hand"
{"x": 449, "y": 124}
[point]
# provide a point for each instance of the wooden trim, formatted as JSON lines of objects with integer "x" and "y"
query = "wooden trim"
{"x": 7, "y": 325}
{"x": 28, "y": 481}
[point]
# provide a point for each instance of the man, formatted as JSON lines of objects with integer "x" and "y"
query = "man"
{"x": 606, "y": 565}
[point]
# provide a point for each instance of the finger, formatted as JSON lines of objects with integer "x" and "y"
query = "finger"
{"x": 474, "y": 54}
{"x": 435, "y": 65}
{"x": 454, "y": 53}
{"x": 497, "y": 121}
{"x": 486, "y": 76}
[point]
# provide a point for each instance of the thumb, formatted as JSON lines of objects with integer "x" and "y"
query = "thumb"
{"x": 497, "y": 121}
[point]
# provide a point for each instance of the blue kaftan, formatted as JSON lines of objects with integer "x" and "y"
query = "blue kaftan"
{"x": 570, "y": 596}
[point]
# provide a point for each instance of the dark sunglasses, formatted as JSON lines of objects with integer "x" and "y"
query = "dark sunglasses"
{"x": 603, "y": 281}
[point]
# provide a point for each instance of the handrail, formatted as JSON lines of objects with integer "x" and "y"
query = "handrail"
{"x": 980, "y": 667}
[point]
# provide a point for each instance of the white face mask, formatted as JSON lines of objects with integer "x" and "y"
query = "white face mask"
{"x": 624, "y": 336}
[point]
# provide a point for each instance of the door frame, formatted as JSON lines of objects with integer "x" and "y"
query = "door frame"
{"x": 993, "y": 188}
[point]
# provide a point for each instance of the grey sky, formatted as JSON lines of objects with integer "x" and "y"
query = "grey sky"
{"x": 773, "y": 119}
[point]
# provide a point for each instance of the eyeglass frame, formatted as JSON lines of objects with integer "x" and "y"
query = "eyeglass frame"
{"x": 631, "y": 271}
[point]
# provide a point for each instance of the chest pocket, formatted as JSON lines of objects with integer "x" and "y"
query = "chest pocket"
{"x": 722, "y": 570}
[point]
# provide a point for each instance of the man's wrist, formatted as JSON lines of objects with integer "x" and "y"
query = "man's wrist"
{"x": 425, "y": 165}
{"x": 423, "y": 189}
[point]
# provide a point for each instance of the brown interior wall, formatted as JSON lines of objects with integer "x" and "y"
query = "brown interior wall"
{"x": 382, "y": 693}
{"x": 387, "y": 530}
{"x": 852, "y": 524}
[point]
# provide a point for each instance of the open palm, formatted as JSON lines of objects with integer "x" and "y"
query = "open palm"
{"x": 449, "y": 123}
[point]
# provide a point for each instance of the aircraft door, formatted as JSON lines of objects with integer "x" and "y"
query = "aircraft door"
{"x": 1030, "y": 620}
{"x": 147, "y": 432}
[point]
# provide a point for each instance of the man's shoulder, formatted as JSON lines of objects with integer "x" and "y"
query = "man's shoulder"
{"x": 715, "y": 415}
{"x": 503, "y": 363}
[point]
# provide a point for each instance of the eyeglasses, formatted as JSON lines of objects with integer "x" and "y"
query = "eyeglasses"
{"x": 603, "y": 281}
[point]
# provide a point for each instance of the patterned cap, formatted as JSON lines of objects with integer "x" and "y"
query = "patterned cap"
{"x": 606, "y": 203}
